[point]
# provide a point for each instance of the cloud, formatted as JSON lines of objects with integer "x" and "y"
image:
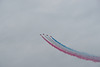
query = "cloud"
{"x": 72, "y": 21}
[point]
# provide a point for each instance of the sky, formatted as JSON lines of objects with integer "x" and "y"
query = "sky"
{"x": 75, "y": 23}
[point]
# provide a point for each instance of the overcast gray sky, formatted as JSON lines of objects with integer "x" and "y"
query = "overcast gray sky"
{"x": 75, "y": 23}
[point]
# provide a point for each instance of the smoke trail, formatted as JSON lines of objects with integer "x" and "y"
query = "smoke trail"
{"x": 53, "y": 42}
